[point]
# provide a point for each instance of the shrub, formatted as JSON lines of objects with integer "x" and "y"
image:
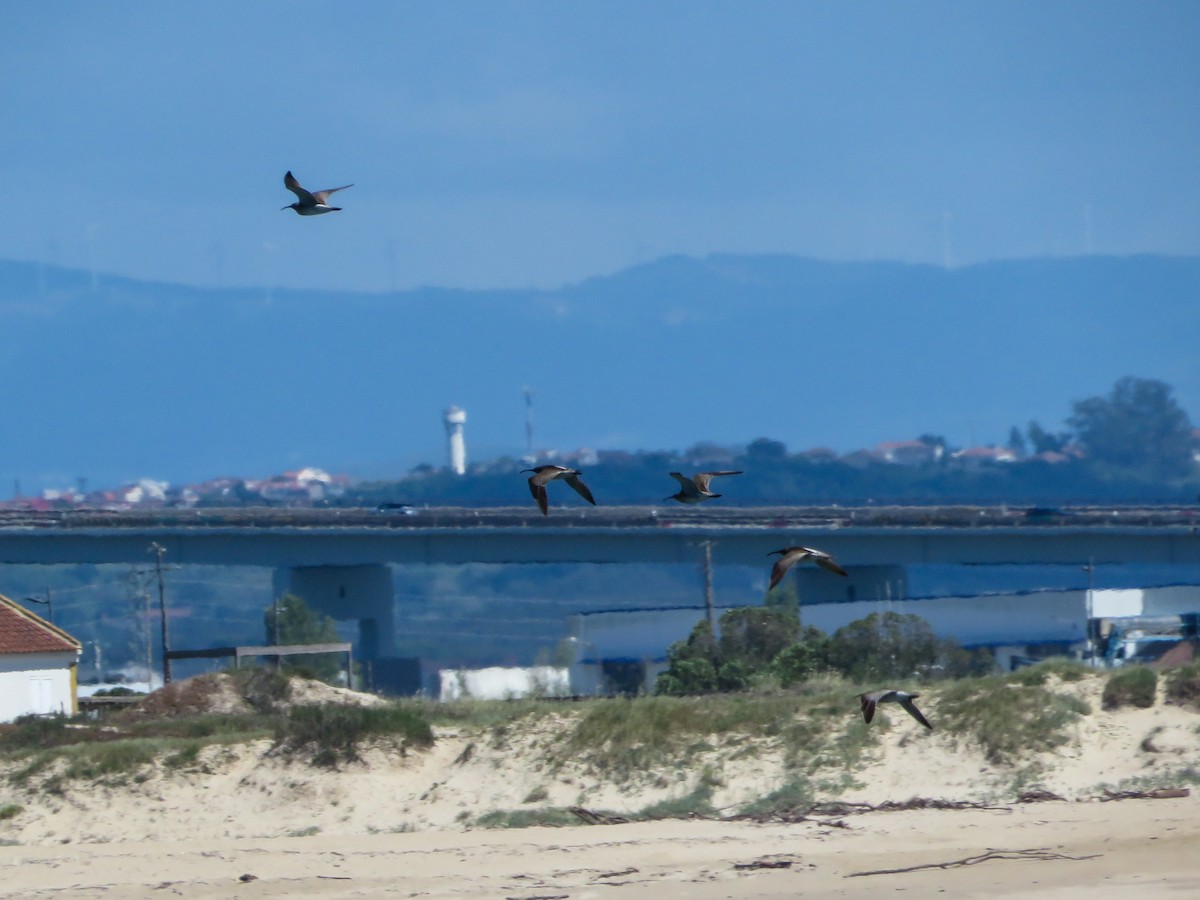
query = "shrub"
{"x": 884, "y": 645}
{"x": 111, "y": 759}
{"x": 1130, "y": 686}
{"x": 1063, "y": 667}
{"x": 695, "y": 803}
{"x": 548, "y": 816}
{"x": 10, "y": 811}
{"x": 754, "y": 635}
{"x": 334, "y": 731}
{"x": 34, "y": 733}
{"x": 1008, "y": 719}
{"x": 751, "y": 637}
{"x": 263, "y": 688}
{"x": 735, "y": 675}
{"x": 1183, "y": 686}
{"x": 793, "y": 799}
{"x": 688, "y": 676}
{"x": 803, "y": 659}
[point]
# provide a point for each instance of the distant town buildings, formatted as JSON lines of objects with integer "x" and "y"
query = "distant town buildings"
{"x": 312, "y": 486}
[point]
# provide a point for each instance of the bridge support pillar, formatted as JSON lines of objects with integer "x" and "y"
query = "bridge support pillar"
{"x": 863, "y": 583}
{"x": 348, "y": 592}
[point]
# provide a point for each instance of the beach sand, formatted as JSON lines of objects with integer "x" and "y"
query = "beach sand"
{"x": 1142, "y": 848}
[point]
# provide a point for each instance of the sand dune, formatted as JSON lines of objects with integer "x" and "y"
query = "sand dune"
{"x": 403, "y": 824}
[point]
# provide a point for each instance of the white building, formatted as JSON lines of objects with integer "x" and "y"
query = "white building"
{"x": 456, "y": 445}
{"x": 503, "y": 683}
{"x": 37, "y": 665}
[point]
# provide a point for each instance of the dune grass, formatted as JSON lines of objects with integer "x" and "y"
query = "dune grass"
{"x": 552, "y": 816}
{"x": 1008, "y": 718}
{"x": 333, "y": 733}
{"x": 813, "y": 727}
{"x": 1130, "y": 686}
{"x": 1183, "y": 686}
{"x": 1061, "y": 667}
{"x": 128, "y": 745}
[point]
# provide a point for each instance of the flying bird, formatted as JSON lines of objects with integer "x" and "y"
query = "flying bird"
{"x": 310, "y": 204}
{"x": 695, "y": 489}
{"x": 904, "y": 698}
{"x": 543, "y": 475}
{"x": 789, "y": 556}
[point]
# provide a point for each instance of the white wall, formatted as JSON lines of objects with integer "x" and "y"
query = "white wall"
{"x": 500, "y": 683}
{"x": 37, "y": 683}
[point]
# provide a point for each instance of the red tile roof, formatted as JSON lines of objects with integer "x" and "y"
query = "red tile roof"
{"x": 22, "y": 631}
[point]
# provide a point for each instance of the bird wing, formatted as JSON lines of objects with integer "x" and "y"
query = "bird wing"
{"x": 580, "y": 488}
{"x": 541, "y": 475}
{"x": 322, "y": 196}
{"x": 825, "y": 561}
{"x": 539, "y": 494}
{"x": 790, "y": 557}
{"x": 290, "y": 182}
{"x": 688, "y": 485}
{"x": 868, "y": 706}
{"x": 907, "y": 703}
{"x": 703, "y": 478}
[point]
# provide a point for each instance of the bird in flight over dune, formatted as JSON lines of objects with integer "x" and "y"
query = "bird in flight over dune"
{"x": 904, "y": 698}
{"x": 543, "y": 475}
{"x": 310, "y": 204}
{"x": 695, "y": 489}
{"x": 789, "y": 556}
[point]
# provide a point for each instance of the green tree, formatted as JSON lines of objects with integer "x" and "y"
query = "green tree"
{"x": 292, "y": 621}
{"x": 765, "y": 452}
{"x": 751, "y": 637}
{"x": 1016, "y": 441}
{"x": 784, "y": 597}
{"x": 800, "y": 661}
{"x": 884, "y": 645}
{"x": 691, "y": 664}
{"x": 1044, "y": 441}
{"x": 754, "y": 635}
{"x": 1138, "y": 427}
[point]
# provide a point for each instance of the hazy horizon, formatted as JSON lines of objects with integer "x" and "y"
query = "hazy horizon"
{"x": 531, "y": 144}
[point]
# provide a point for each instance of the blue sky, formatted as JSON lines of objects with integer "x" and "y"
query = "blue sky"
{"x": 515, "y": 144}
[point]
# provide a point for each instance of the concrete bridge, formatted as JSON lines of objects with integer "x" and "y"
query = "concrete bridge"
{"x": 339, "y": 560}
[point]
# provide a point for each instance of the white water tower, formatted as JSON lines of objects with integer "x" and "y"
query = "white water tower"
{"x": 455, "y": 419}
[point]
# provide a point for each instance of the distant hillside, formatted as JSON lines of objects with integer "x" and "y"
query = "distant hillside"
{"x": 139, "y": 379}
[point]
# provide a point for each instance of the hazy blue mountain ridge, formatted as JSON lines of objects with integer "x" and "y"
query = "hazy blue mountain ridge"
{"x": 140, "y": 379}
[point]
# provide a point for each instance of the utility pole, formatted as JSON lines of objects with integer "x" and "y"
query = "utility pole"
{"x": 159, "y": 550}
{"x": 708, "y": 587}
{"x": 48, "y": 603}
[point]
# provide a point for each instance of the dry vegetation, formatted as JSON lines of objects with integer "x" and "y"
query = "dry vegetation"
{"x": 768, "y": 754}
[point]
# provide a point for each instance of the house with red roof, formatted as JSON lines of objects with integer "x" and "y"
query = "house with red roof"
{"x": 38, "y": 663}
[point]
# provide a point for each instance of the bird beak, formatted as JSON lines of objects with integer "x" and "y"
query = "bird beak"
{"x": 282, "y": 208}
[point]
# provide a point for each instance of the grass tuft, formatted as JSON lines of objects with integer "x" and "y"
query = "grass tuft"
{"x": 1130, "y": 686}
{"x": 1064, "y": 668}
{"x": 1183, "y": 686}
{"x": 696, "y": 803}
{"x": 550, "y": 816}
{"x": 792, "y": 799}
{"x": 1008, "y": 719}
{"x": 334, "y": 732}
